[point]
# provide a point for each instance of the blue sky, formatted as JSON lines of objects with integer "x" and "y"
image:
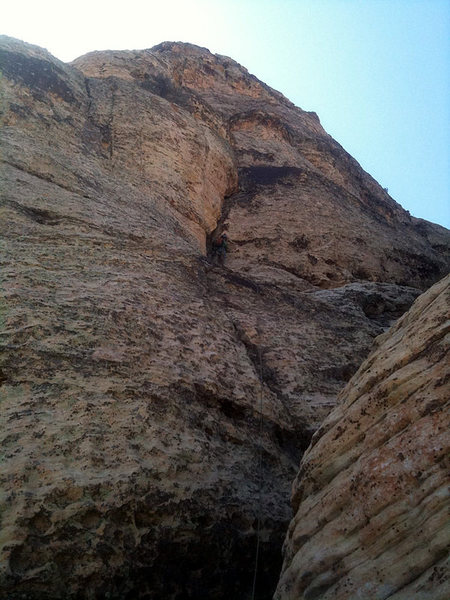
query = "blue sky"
{"x": 377, "y": 72}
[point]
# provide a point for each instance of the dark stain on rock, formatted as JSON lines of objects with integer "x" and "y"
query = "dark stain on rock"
{"x": 177, "y": 558}
{"x": 301, "y": 242}
{"x": 19, "y": 110}
{"x": 250, "y": 177}
{"x": 162, "y": 86}
{"x": 231, "y": 409}
{"x": 39, "y": 215}
{"x": 242, "y": 281}
{"x": 41, "y": 76}
{"x": 431, "y": 407}
{"x": 341, "y": 372}
{"x": 373, "y": 305}
{"x": 293, "y": 443}
{"x": 97, "y": 138}
{"x": 427, "y": 268}
{"x": 165, "y": 88}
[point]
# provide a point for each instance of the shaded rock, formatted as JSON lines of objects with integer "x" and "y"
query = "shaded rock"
{"x": 371, "y": 498}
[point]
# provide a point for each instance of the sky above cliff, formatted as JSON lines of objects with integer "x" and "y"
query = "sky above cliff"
{"x": 376, "y": 72}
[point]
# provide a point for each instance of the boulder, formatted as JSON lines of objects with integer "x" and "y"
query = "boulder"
{"x": 371, "y": 497}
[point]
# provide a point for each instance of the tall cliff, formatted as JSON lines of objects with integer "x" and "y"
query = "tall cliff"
{"x": 371, "y": 498}
{"x": 132, "y": 370}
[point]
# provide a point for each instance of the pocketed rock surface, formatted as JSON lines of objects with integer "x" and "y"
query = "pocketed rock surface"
{"x": 371, "y": 498}
{"x": 132, "y": 370}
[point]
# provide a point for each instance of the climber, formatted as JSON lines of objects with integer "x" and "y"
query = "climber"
{"x": 220, "y": 248}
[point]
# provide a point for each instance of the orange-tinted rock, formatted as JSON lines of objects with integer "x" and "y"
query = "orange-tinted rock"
{"x": 307, "y": 208}
{"x": 371, "y": 498}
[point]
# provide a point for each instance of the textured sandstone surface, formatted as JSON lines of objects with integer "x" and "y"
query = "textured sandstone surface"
{"x": 307, "y": 208}
{"x": 371, "y": 499}
{"x": 129, "y": 367}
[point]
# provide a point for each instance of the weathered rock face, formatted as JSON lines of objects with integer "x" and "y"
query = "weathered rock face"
{"x": 307, "y": 208}
{"x": 129, "y": 368}
{"x": 371, "y": 498}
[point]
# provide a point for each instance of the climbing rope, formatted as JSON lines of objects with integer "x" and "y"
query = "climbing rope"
{"x": 260, "y": 478}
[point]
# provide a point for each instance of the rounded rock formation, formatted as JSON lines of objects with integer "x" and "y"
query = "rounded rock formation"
{"x": 371, "y": 499}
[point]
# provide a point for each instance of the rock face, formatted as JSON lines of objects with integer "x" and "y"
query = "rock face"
{"x": 307, "y": 208}
{"x": 131, "y": 370}
{"x": 371, "y": 498}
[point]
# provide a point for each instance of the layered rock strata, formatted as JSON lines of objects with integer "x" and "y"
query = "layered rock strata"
{"x": 371, "y": 497}
{"x": 131, "y": 370}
